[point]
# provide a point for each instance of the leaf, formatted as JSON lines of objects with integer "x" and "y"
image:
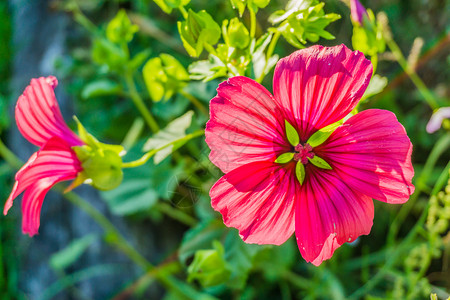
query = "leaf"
{"x": 120, "y": 29}
{"x": 238, "y": 34}
{"x": 168, "y": 5}
{"x": 291, "y": 134}
{"x": 319, "y": 162}
{"x": 172, "y": 132}
{"x": 198, "y": 29}
{"x": 300, "y": 172}
{"x": 101, "y": 87}
{"x": 67, "y": 256}
{"x": 240, "y": 257}
{"x": 200, "y": 237}
{"x": 284, "y": 158}
{"x": 321, "y": 135}
{"x": 376, "y": 86}
{"x": 142, "y": 187}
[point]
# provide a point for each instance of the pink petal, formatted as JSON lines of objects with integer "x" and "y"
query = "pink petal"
{"x": 317, "y": 86}
{"x": 258, "y": 200}
{"x": 372, "y": 154}
{"x": 55, "y": 162}
{"x": 38, "y": 115}
{"x": 328, "y": 214}
{"x": 245, "y": 125}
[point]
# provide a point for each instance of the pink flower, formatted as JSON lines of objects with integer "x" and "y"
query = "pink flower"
{"x": 369, "y": 156}
{"x": 357, "y": 11}
{"x": 40, "y": 121}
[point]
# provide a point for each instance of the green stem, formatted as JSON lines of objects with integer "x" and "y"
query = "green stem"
{"x": 404, "y": 246}
{"x": 9, "y": 157}
{"x": 183, "y": 11}
{"x": 141, "y": 161}
{"x": 151, "y": 122}
{"x": 83, "y": 20}
{"x": 395, "y": 49}
{"x": 176, "y": 214}
{"x": 252, "y": 24}
{"x": 270, "y": 51}
{"x": 112, "y": 234}
{"x": 374, "y": 60}
{"x": 440, "y": 147}
{"x": 195, "y": 102}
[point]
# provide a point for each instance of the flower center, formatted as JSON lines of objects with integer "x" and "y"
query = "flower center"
{"x": 302, "y": 152}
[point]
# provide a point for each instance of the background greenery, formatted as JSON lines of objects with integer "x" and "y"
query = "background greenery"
{"x": 112, "y": 68}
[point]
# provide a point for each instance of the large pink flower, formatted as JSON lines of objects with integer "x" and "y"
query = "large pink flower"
{"x": 369, "y": 156}
{"x": 40, "y": 121}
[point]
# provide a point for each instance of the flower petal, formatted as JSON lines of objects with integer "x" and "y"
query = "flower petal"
{"x": 258, "y": 200}
{"x": 245, "y": 125}
{"x": 317, "y": 86}
{"x": 38, "y": 115}
{"x": 55, "y": 162}
{"x": 372, "y": 154}
{"x": 33, "y": 199}
{"x": 328, "y": 214}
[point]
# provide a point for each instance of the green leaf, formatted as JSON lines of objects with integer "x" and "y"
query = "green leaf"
{"x": 71, "y": 253}
{"x": 208, "y": 69}
{"x": 238, "y": 35}
{"x": 164, "y": 76}
{"x": 198, "y": 30}
{"x": 321, "y": 135}
{"x": 209, "y": 266}
{"x": 300, "y": 172}
{"x": 101, "y": 87}
{"x": 284, "y": 158}
{"x": 142, "y": 187}
{"x": 303, "y": 21}
{"x": 172, "y": 132}
{"x": 291, "y": 134}
{"x": 104, "y": 52}
{"x": 239, "y": 5}
{"x": 376, "y": 86}
{"x": 120, "y": 29}
{"x": 319, "y": 162}
{"x": 200, "y": 237}
{"x": 240, "y": 257}
{"x": 168, "y": 5}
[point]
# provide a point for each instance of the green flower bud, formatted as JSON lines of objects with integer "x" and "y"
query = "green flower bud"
{"x": 209, "y": 267}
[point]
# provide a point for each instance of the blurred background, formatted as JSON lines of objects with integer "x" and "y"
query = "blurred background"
{"x": 71, "y": 258}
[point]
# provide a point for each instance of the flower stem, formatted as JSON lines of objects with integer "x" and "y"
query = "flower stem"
{"x": 141, "y": 161}
{"x": 395, "y": 49}
{"x": 176, "y": 214}
{"x": 252, "y": 24}
{"x": 195, "y": 102}
{"x": 440, "y": 147}
{"x": 9, "y": 156}
{"x": 112, "y": 234}
{"x": 183, "y": 11}
{"x": 151, "y": 122}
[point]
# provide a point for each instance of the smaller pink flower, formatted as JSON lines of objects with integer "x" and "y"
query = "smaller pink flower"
{"x": 357, "y": 11}
{"x": 437, "y": 118}
{"x": 39, "y": 119}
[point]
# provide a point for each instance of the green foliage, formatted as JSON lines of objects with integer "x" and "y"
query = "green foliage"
{"x": 198, "y": 31}
{"x": 120, "y": 29}
{"x": 303, "y": 21}
{"x": 209, "y": 267}
{"x": 70, "y": 254}
{"x": 171, "y": 134}
{"x": 164, "y": 76}
{"x": 168, "y": 5}
{"x": 252, "y": 5}
{"x": 101, "y": 87}
{"x": 368, "y": 38}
